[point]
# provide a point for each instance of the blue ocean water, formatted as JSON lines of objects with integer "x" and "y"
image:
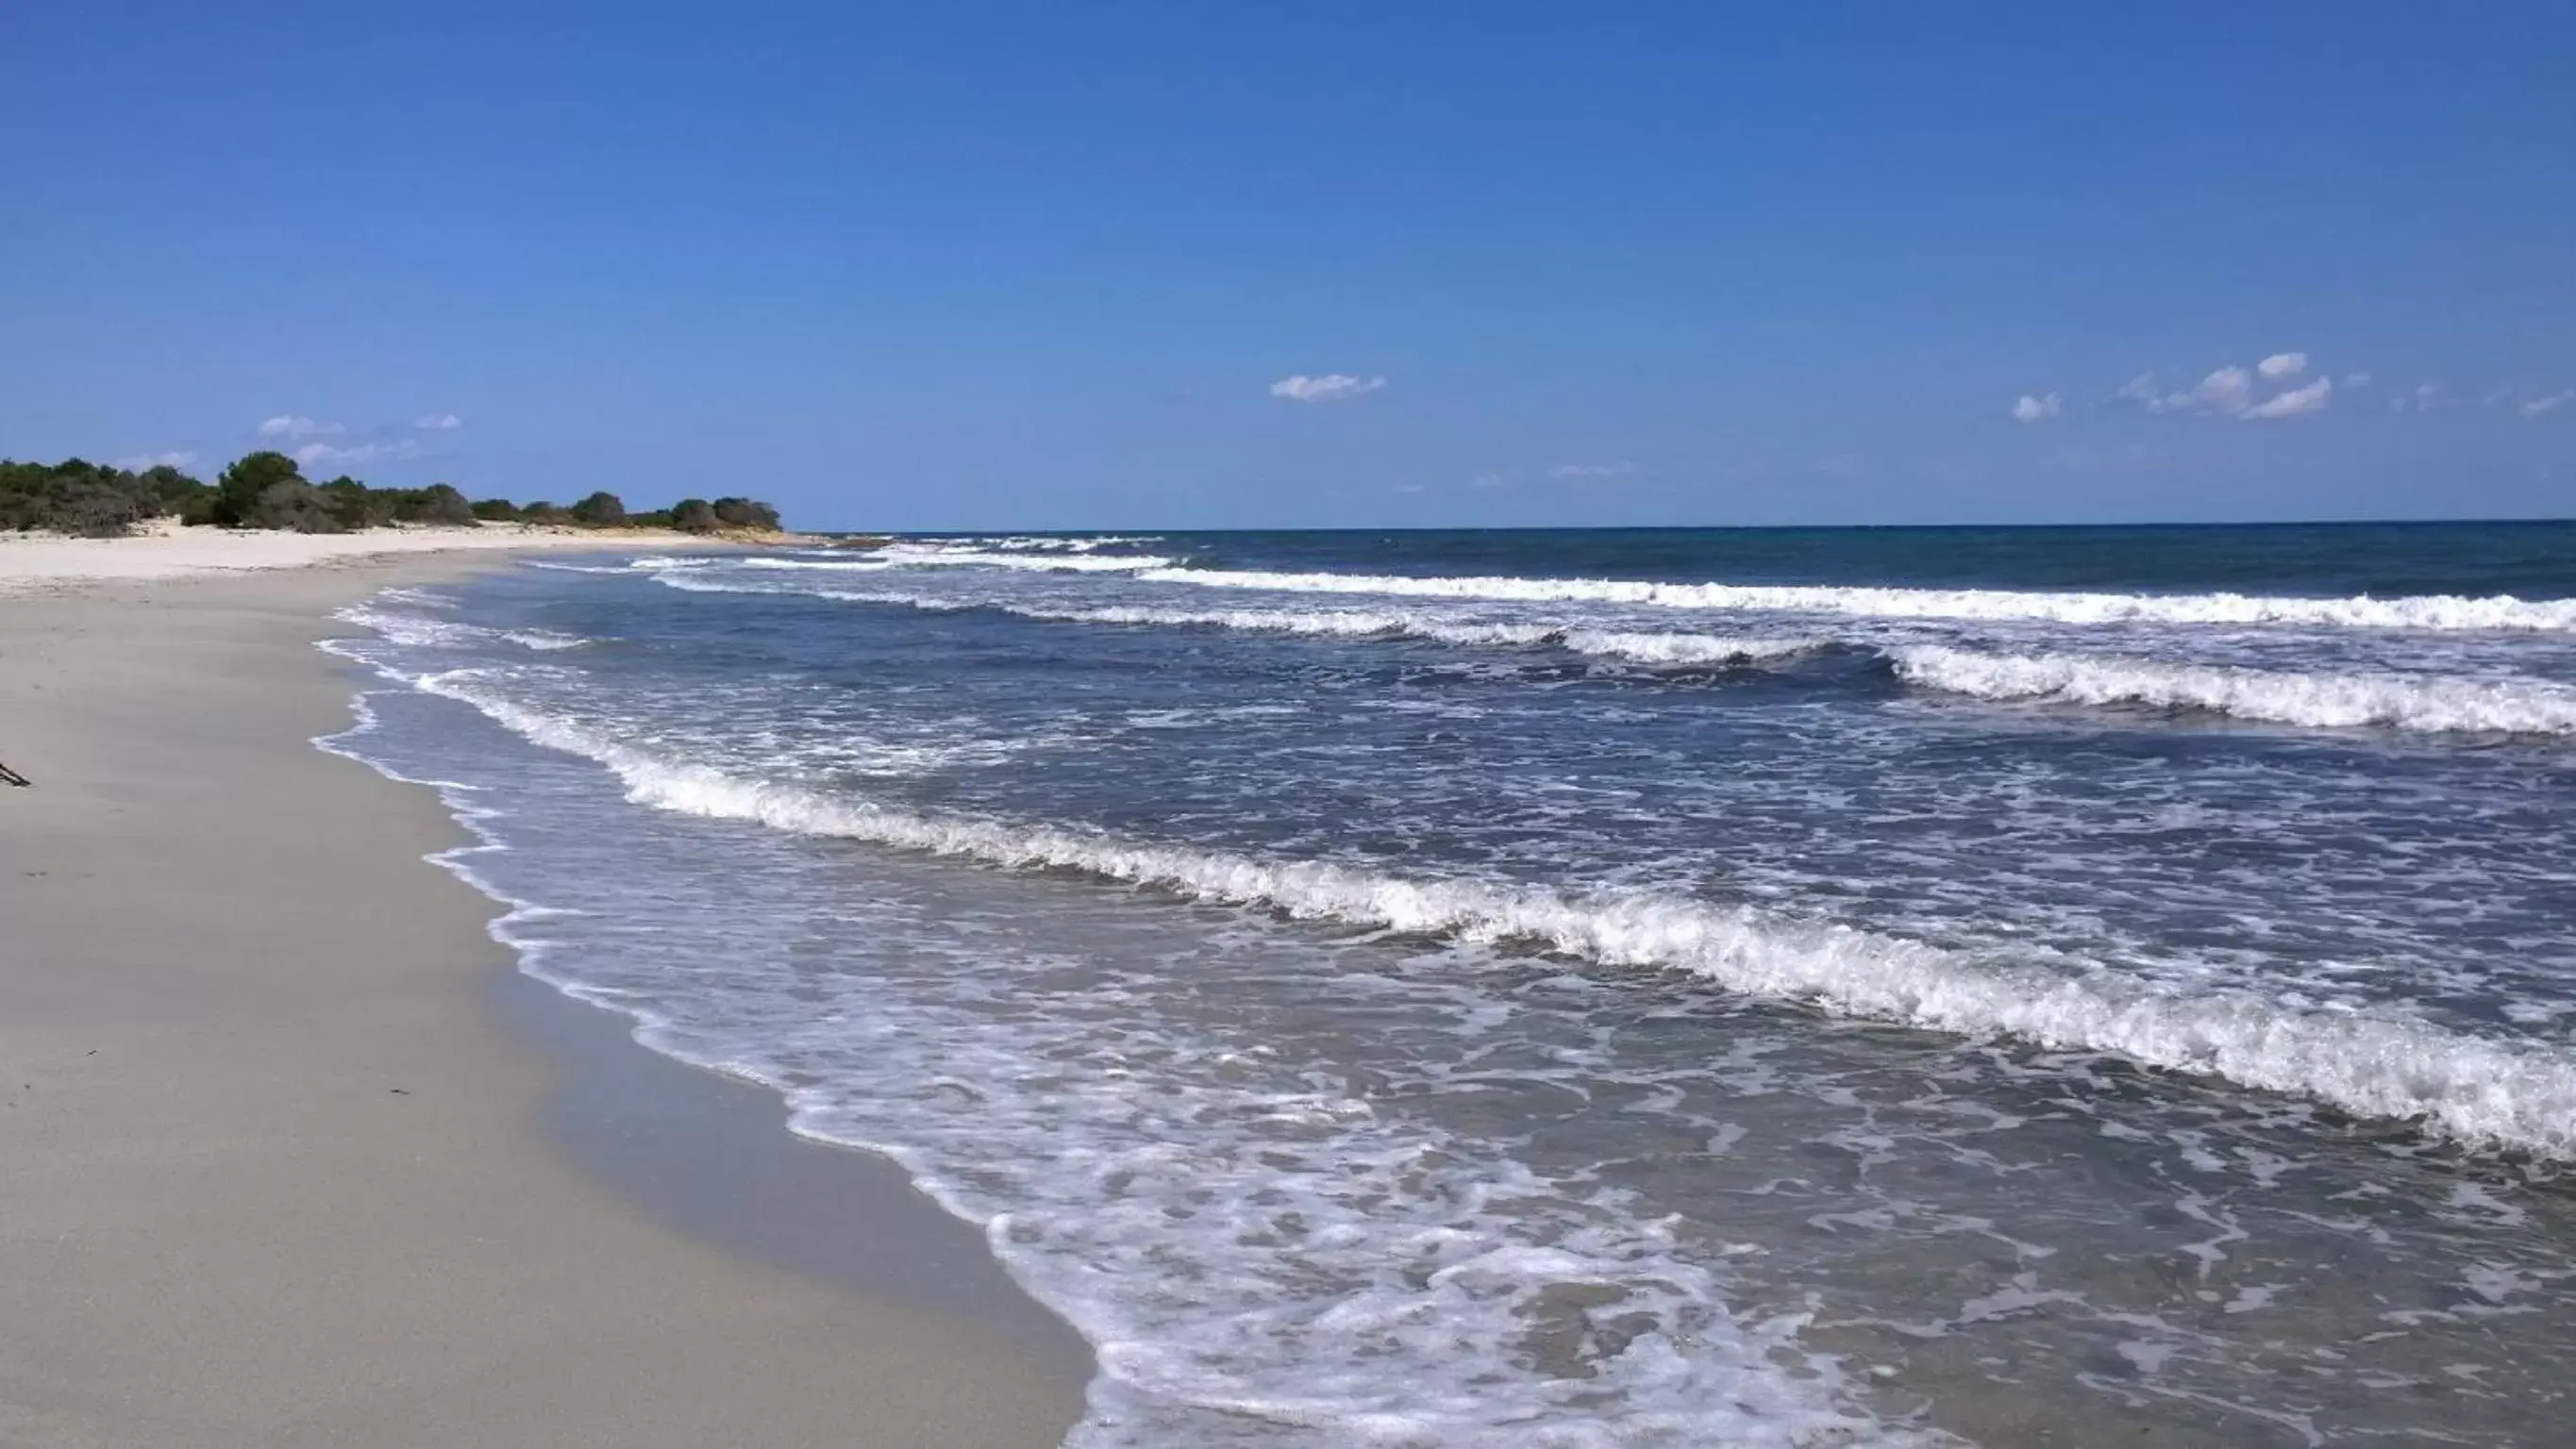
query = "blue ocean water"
{"x": 1646, "y": 988}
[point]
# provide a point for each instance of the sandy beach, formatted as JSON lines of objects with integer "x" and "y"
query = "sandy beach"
{"x": 45, "y": 563}
{"x": 296, "y": 1158}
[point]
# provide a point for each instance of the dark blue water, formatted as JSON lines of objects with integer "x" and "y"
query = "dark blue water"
{"x": 2032, "y": 986}
{"x": 2530, "y": 559}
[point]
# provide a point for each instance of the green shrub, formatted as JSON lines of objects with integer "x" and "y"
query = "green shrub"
{"x": 439, "y": 504}
{"x": 239, "y": 490}
{"x": 79, "y": 497}
{"x": 268, "y": 490}
{"x": 746, "y": 513}
{"x": 356, "y": 505}
{"x": 294, "y": 506}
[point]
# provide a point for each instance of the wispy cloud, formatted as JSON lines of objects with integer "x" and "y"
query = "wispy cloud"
{"x": 2541, "y": 407}
{"x": 289, "y": 426}
{"x": 2226, "y": 392}
{"x": 1331, "y": 387}
{"x": 2282, "y": 364}
{"x": 2297, "y": 402}
{"x": 324, "y": 455}
{"x": 141, "y": 461}
{"x": 1591, "y": 470}
{"x": 438, "y": 422}
{"x": 2029, "y": 409}
{"x": 2424, "y": 397}
{"x": 2234, "y": 391}
{"x": 2356, "y": 379}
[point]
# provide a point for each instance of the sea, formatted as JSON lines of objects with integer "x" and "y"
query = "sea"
{"x": 1587, "y": 988}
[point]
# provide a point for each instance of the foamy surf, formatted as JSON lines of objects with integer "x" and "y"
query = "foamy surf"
{"x": 2379, "y": 1064}
{"x": 1426, "y": 1271}
{"x": 413, "y": 629}
{"x": 2430, "y": 612}
{"x": 2417, "y": 703}
{"x": 1034, "y": 561}
{"x": 1634, "y": 646}
{"x": 1035, "y": 542}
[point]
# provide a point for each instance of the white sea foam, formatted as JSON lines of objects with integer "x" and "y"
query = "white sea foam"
{"x": 648, "y": 563}
{"x": 1415, "y": 1266}
{"x": 913, "y": 555}
{"x": 2481, "y": 1090}
{"x": 831, "y": 565}
{"x": 1635, "y": 646}
{"x": 418, "y": 598}
{"x": 1036, "y": 543}
{"x": 414, "y": 630}
{"x": 1642, "y": 647}
{"x": 2428, "y": 612}
{"x": 2428, "y": 703}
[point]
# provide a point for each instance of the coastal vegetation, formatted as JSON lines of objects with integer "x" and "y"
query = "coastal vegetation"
{"x": 268, "y": 490}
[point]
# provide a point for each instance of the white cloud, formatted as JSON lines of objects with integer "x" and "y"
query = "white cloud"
{"x": 141, "y": 461}
{"x": 2297, "y": 402}
{"x": 1331, "y": 387}
{"x": 2425, "y": 398}
{"x": 438, "y": 422}
{"x": 2142, "y": 389}
{"x": 2229, "y": 390}
{"x": 1489, "y": 480}
{"x": 2028, "y": 409}
{"x": 1591, "y": 470}
{"x": 287, "y": 426}
{"x": 2283, "y": 364}
{"x": 2541, "y": 407}
{"x": 324, "y": 455}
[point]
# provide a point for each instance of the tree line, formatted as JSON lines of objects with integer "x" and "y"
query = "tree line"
{"x": 269, "y": 490}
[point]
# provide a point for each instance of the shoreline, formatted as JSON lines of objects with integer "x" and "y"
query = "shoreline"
{"x": 39, "y": 564}
{"x": 341, "y": 1172}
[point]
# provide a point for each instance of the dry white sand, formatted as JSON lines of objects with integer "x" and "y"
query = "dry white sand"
{"x": 44, "y": 562}
{"x": 271, "y": 1173}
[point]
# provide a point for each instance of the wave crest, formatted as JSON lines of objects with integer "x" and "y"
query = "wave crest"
{"x": 921, "y": 555}
{"x": 2416, "y": 703}
{"x": 1641, "y": 647}
{"x": 2426, "y": 612}
{"x": 418, "y": 632}
{"x": 2477, "y": 1089}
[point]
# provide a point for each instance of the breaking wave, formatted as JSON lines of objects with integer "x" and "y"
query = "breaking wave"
{"x": 2477, "y": 1089}
{"x": 2426, "y": 612}
{"x": 935, "y": 556}
{"x": 2426, "y": 703}
{"x": 1638, "y": 647}
{"x": 411, "y": 629}
{"x": 1039, "y": 542}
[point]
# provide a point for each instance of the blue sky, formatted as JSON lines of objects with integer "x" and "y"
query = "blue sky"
{"x": 1058, "y": 266}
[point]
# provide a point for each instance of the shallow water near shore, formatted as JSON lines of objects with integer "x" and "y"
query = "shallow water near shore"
{"x": 2026, "y": 986}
